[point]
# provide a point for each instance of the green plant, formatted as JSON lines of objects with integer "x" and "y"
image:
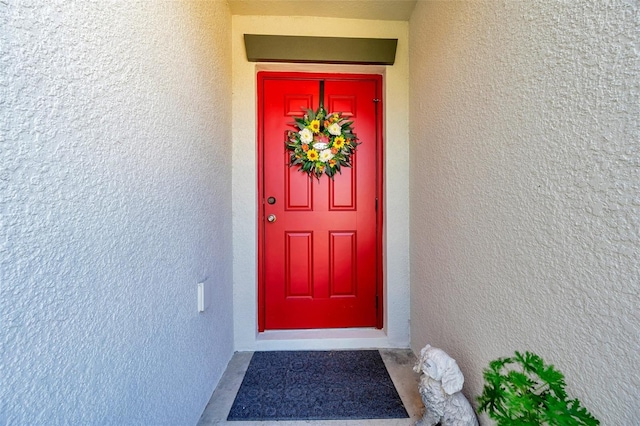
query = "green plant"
{"x": 522, "y": 390}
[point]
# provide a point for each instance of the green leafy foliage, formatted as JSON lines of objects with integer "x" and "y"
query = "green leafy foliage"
{"x": 522, "y": 390}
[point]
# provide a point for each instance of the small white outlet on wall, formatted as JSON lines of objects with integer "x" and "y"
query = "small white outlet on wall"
{"x": 200, "y": 297}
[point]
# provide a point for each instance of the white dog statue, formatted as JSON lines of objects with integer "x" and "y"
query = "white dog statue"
{"x": 440, "y": 386}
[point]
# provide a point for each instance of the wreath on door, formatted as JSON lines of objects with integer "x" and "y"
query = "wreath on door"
{"x": 322, "y": 144}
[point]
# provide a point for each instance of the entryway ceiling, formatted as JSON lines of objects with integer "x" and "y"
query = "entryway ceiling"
{"x": 388, "y": 10}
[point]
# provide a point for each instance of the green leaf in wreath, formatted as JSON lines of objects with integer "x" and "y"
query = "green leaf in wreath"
{"x": 311, "y": 114}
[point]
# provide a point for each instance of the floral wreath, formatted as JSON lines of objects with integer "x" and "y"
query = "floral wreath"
{"x": 323, "y": 144}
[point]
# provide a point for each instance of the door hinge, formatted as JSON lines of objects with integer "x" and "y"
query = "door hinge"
{"x": 376, "y": 302}
{"x": 376, "y": 204}
{"x": 376, "y": 100}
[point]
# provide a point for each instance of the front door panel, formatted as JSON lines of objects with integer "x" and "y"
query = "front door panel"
{"x": 320, "y": 256}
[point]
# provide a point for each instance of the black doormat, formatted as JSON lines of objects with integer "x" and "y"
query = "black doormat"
{"x": 317, "y": 385}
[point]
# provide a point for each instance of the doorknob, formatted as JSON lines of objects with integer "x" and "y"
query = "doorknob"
{"x": 271, "y": 218}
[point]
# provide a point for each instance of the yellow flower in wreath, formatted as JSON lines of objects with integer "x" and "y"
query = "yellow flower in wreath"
{"x": 338, "y": 142}
{"x": 312, "y": 155}
{"x": 314, "y": 126}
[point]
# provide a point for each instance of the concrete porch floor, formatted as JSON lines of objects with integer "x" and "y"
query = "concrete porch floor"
{"x": 399, "y": 363}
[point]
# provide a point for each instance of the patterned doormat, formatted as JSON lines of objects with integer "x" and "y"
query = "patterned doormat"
{"x": 317, "y": 385}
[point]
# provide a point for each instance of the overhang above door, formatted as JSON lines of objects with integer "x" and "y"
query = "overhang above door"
{"x": 335, "y": 50}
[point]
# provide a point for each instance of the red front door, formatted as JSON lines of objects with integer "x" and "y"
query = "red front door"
{"x": 319, "y": 257}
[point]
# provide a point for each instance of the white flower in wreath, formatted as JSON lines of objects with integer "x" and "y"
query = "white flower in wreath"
{"x": 306, "y": 136}
{"x": 319, "y": 146}
{"x": 325, "y": 155}
{"x": 335, "y": 129}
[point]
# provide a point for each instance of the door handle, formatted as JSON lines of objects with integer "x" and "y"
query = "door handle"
{"x": 271, "y": 218}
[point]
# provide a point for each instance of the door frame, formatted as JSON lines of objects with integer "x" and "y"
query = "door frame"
{"x": 260, "y": 217}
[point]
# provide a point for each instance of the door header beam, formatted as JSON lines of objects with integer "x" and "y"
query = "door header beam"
{"x": 321, "y": 50}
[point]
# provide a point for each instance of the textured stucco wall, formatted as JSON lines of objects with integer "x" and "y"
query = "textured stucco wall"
{"x": 396, "y": 140}
{"x": 525, "y": 190}
{"x": 114, "y": 203}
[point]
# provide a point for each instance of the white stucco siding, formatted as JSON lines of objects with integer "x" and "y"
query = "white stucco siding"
{"x": 114, "y": 203}
{"x": 396, "y": 232}
{"x": 525, "y": 185}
